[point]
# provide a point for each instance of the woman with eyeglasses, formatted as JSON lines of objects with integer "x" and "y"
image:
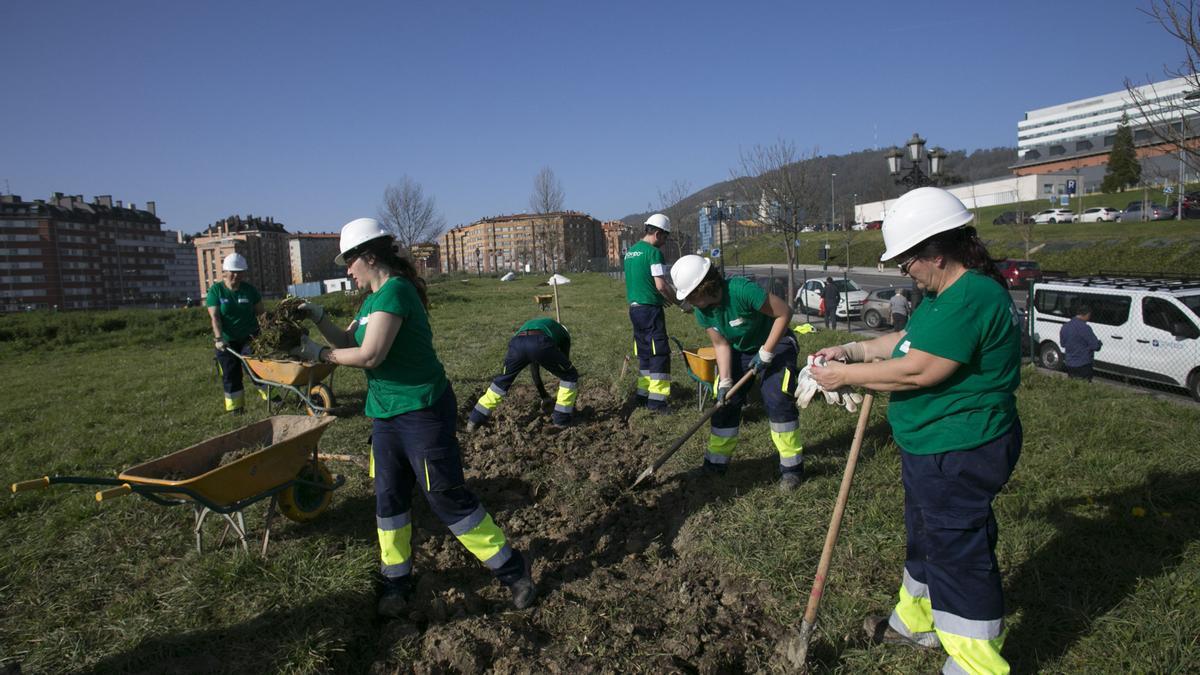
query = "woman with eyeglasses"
{"x": 413, "y": 440}
{"x": 233, "y": 309}
{"x": 952, "y": 372}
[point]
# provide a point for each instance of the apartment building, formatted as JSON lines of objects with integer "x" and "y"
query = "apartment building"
{"x": 67, "y": 253}
{"x": 564, "y": 240}
{"x": 262, "y": 241}
{"x": 311, "y": 257}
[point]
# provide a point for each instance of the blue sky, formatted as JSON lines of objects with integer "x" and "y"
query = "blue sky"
{"x": 306, "y": 111}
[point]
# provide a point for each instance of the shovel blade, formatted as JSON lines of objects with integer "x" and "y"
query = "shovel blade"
{"x": 794, "y": 647}
{"x": 643, "y": 476}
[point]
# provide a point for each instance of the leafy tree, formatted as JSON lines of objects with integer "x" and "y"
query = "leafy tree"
{"x": 1124, "y": 169}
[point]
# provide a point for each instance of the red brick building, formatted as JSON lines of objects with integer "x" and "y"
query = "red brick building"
{"x": 564, "y": 240}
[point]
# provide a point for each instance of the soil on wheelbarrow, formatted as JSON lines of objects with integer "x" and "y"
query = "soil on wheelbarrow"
{"x": 621, "y": 586}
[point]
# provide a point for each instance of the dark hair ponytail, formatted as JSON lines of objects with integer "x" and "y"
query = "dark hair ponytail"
{"x": 964, "y": 245}
{"x": 386, "y": 252}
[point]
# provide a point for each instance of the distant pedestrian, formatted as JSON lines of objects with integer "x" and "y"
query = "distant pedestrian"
{"x": 899, "y": 307}
{"x": 831, "y": 298}
{"x": 1079, "y": 344}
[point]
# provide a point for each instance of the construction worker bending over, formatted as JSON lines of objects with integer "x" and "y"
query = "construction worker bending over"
{"x": 749, "y": 331}
{"x": 953, "y": 372}
{"x": 538, "y": 342}
{"x": 413, "y": 435}
{"x": 646, "y": 289}
{"x": 233, "y": 308}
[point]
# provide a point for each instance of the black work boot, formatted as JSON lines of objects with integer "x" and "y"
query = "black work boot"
{"x": 524, "y": 592}
{"x": 880, "y": 633}
{"x": 790, "y": 481}
{"x": 714, "y": 469}
{"x": 394, "y": 597}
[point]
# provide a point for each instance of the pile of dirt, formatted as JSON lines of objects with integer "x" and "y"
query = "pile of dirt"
{"x": 280, "y": 330}
{"x": 620, "y": 588}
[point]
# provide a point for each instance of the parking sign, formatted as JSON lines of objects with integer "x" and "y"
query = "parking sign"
{"x": 1070, "y": 186}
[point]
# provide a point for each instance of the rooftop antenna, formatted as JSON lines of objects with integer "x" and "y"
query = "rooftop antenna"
{"x": 876, "y": 125}
{"x": 7, "y": 190}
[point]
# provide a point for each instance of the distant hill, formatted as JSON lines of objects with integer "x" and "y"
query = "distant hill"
{"x": 863, "y": 173}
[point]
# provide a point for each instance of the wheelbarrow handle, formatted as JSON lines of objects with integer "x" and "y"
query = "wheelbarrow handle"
{"x": 113, "y": 493}
{"x": 35, "y": 484}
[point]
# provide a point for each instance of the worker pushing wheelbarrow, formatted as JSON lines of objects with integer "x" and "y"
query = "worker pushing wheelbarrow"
{"x": 275, "y": 458}
{"x": 303, "y": 379}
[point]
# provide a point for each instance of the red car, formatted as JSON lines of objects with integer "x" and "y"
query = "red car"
{"x": 1018, "y": 273}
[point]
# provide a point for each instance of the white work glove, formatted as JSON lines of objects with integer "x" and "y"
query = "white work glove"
{"x": 308, "y": 351}
{"x": 314, "y": 311}
{"x": 219, "y": 344}
{"x": 842, "y": 396}
{"x": 806, "y": 388}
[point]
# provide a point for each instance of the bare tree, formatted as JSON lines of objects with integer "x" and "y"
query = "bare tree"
{"x": 683, "y": 221}
{"x": 410, "y": 214}
{"x": 784, "y": 187}
{"x": 1166, "y": 122}
{"x": 547, "y": 194}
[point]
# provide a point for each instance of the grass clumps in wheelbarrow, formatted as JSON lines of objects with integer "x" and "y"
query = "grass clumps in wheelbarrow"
{"x": 280, "y": 330}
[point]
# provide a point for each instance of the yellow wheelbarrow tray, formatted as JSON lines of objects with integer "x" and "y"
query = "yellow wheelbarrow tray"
{"x": 281, "y": 463}
{"x": 701, "y": 366}
{"x": 301, "y": 379}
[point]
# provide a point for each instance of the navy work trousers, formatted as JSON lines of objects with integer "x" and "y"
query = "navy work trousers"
{"x": 653, "y": 353}
{"x": 536, "y": 349}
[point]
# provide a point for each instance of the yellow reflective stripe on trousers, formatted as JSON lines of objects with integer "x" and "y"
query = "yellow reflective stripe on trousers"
{"x": 658, "y": 389}
{"x": 565, "y": 401}
{"x": 395, "y": 548}
{"x": 973, "y": 655}
{"x": 643, "y": 383}
{"x": 915, "y": 614}
{"x": 722, "y": 442}
{"x": 490, "y": 400}
{"x": 791, "y": 450}
{"x": 485, "y": 540}
{"x": 234, "y": 401}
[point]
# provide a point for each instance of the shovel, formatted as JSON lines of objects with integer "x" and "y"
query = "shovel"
{"x": 688, "y": 434}
{"x": 796, "y": 646}
{"x": 616, "y": 385}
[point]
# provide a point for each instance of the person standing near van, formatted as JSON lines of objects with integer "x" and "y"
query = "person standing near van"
{"x": 1079, "y": 343}
{"x": 646, "y": 289}
{"x": 899, "y": 308}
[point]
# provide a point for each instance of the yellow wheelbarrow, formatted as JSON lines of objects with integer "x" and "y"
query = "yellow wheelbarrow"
{"x": 275, "y": 457}
{"x": 701, "y": 366}
{"x": 301, "y": 379}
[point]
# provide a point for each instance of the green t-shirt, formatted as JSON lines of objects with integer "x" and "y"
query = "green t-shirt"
{"x": 410, "y": 377}
{"x": 738, "y": 317}
{"x": 553, "y": 329}
{"x": 643, "y": 262}
{"x": 975, "y": 324}
{"x": 236, "y": 309}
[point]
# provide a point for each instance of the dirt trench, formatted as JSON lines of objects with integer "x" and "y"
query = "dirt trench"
{"x": 620, "y": 587}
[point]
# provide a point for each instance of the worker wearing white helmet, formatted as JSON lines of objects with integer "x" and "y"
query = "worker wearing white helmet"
{"x": 413, "y": 439}
{"x": 953, "y": 370}
{"x": 233, "y": 308}
{"x": 749, "y": 331}
{"x": 646, "y": 289}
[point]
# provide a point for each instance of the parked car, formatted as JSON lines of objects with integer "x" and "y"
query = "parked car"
{"x": 1012, "y": 218}
{"x": 1018, "y": 273}
{"x": 875, "y": 225}
{"x": 877, "y": 308}
{"x": 1191, "y": 206}
{"x": 858, "y": 227}
{"x": 810, "y": 295}
{"x": 1133, "y": 212}
{"x": 1053, "y": 216}
{"x": 1099, "y": 214}
{"x": 1148, "y": 329}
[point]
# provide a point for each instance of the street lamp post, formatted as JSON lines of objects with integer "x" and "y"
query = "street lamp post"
{"x": 915, "y": 175}
{"x": 719, "y": 209}
{"x": 832, "y": 217}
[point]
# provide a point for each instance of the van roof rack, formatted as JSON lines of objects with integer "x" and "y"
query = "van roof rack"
{"x": 1159, "y": 281}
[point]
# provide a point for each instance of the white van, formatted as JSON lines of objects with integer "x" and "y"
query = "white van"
{"x": 1149, "y": 329}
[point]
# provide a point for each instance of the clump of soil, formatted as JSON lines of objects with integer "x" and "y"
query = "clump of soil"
{"x": 229, "y": 457}
{"x": 620, "y": 588}
{"x": 280, "y": 330}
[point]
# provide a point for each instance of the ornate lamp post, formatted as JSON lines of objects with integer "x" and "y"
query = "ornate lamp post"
{"x": 916, "y": 174}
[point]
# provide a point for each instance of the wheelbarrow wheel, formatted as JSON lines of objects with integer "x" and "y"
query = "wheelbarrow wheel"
{"x": 301, "y": 503}
{"x": 322, "y": 396}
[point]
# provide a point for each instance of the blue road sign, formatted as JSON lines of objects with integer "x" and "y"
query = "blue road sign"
{"x": 1070, "y": 186}
{"x": 716, "y": 253}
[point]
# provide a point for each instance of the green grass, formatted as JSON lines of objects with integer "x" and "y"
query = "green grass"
{"x": 1078, "y": 248}
{"x": 1091, "y": 585}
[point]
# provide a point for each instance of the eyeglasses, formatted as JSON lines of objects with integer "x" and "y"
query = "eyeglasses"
{"x": 349, "y": 258}
{"x": 908, "y": 263}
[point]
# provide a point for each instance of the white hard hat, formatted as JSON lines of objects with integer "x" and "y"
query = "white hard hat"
{"x": 918, "y": 215}
{"x": 234, "y": 262}
{"x": 687, "y": 273}
{"x": 660, "y": 221}
{"x": 358, "y": 232}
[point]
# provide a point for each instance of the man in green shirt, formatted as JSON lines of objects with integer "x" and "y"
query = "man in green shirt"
{"x": 646, "y": 289}
{"x": 538, "y": 342}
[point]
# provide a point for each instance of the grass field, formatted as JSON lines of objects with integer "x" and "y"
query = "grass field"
{"x": 1078, "y": 248}
{"x": 1100, "y": 525}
